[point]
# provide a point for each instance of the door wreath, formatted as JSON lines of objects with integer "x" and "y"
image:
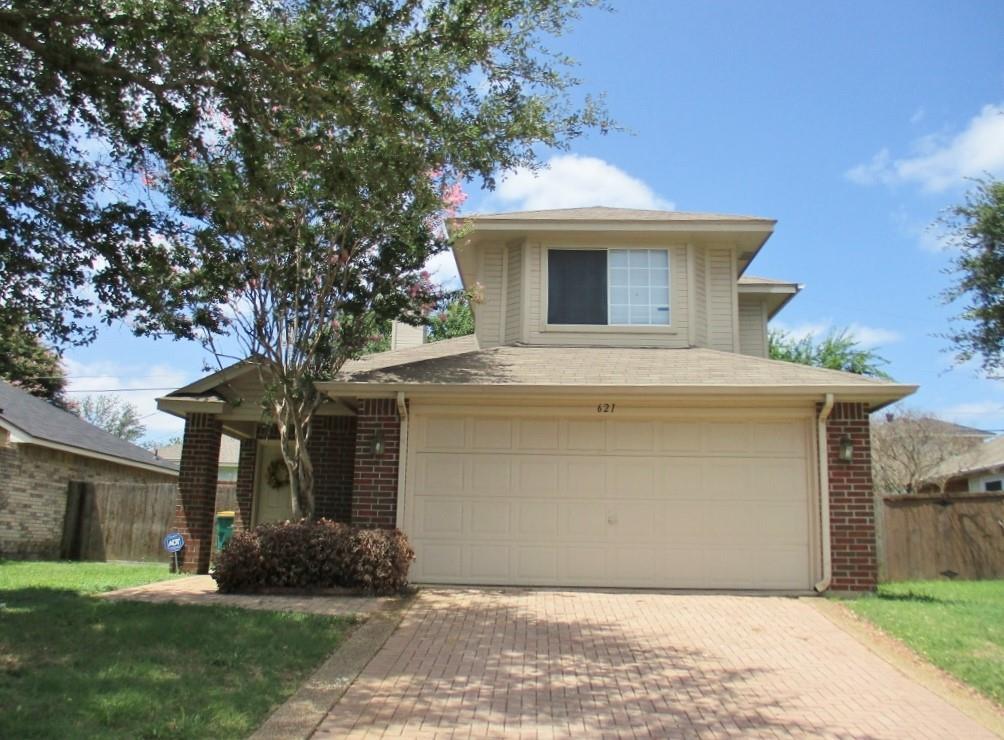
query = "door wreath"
{"x": 277, "y": 473}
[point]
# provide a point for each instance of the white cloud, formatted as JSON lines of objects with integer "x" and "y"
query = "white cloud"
{"x": 443, "y": 269}
{"x": 973, "y": 411}
{"x": 942, "y": 162}
{"x": 868, "y": 337}
{"x": 918, "y": 115}
{"x": 98, "y": 376}
{"x": 572, "y": 181}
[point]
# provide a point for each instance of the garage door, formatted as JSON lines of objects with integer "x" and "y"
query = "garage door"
{"x": 570, "y": 499}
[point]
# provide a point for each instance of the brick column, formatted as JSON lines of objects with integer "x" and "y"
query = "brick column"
{"x": 332, "y": 450}
{"x": 246, "y": 463}
{"x": 193, "y": 514}
{"x": 852, "y": 512}
{"x": 374, "y": 478}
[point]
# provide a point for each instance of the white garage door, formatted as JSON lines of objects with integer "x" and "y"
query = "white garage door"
{"x": 569, "y": 499}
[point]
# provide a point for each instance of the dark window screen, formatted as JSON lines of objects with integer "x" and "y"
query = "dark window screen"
{"x": 993, "y": 485}
{"x": 577, "y": 286}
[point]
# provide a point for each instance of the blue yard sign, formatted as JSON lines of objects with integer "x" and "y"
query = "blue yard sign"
{"x": 173, "y": 542}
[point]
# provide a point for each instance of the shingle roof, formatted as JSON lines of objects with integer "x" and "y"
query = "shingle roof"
{"x": 230, "y": 451}
{"x": 428, "y": 351}
{"x": 605, "y": 213}
{"x": 695, "y": 368}
{"x": 44, "y": 422}
{"x": 986, "y": 456}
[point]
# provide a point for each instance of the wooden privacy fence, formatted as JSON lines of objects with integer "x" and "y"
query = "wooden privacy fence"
{"x": 934, "y": 536}
{"x": 124, "y": 521}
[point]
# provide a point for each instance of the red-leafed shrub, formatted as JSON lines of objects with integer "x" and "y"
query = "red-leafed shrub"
{"x": 314, "y": 555}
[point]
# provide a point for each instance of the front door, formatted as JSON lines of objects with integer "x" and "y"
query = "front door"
{"x": 272, "y": 486}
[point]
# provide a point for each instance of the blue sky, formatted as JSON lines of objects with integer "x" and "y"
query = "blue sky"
{"x": 853, "y": 124}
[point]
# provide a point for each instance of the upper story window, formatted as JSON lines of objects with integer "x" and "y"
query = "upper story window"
{"x": 992, "y": 485}
{"x": 618, "y": 287}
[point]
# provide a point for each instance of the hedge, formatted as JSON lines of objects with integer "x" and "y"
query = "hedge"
{"x": 314, "y": 555}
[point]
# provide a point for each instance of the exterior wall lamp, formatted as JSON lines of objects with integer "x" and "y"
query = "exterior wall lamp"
{"x": 377, "y": 444}
{"x": 846, "y": 453}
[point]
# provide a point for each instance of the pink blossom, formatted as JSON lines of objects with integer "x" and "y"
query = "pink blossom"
{"x": 453, "y": 197}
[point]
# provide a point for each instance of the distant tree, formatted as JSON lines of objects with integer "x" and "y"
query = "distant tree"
{"x": 159, "y": 444}
{"x": 455, "y": 318}
{"x": 911, "y": 452}
{"x": 838, "y": 350}
{"x": 976, "y": 229}
{"x": 26, "y": 361}
{"x": 113, "y": 414}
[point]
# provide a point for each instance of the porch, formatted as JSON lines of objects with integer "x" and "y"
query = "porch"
{"x": 353, "y": 445}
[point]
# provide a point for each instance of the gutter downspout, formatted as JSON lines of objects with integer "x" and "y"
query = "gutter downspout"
{"x": 402, "y": 457}
{"x": 824, "y": 492}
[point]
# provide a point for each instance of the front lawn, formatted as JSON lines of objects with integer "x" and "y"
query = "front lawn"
{"x": 72, "y": 665}
{"x": 957, "y": 625}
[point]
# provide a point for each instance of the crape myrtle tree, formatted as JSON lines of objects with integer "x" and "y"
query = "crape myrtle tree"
{"x": 976, "y": 229}
{"x": 267, "y": 176}
{"x": 838, "y": 350}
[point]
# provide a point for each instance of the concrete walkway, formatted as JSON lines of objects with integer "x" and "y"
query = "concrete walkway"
{"x": 201, "y": 590}
{"x": 534, "y": 663}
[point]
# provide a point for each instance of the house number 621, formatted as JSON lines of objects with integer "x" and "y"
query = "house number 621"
{"x": 605, "y": 408}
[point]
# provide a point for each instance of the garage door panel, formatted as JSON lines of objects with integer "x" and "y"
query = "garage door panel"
{"x": 444, "y": 432}
{"x": 537, "y": 476}
{"x": 582, "y": 520}
{"x": 490, "y": 475}
{"x": 536, "y": 519}
{"x": 441, "y": 472}
{"x": 536, "y": 435}
{"x": 553, "y": 500}
{"x": 440, "y": 561}
{"x": 631, "y": 436}
{"x": 438, "y": 517}
{"x": 492, "y": 434}
{"x": 586, "y": 436}
{"x": 488, "y": 563}
{"x": 586, "y": 478}
{"x": 631, "y": 477}
{"x": 490, "y": 518}
{"x": 536, "y": 564}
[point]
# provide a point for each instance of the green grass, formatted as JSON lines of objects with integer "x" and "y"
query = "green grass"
{"x": 72, "y": 665}
{"x": 957, "y": 625}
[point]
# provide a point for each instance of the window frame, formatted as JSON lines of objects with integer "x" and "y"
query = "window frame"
{"x": 607, "y": 328}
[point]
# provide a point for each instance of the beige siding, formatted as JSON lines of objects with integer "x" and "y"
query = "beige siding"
{"x": 701, "y": 298}
{"x": 513, "y": 294}
{"x": 752, "y": 326}
{"x": 673, "y": 336}
{"x": 721, "y": 286}
{"x": 488, "y": 313}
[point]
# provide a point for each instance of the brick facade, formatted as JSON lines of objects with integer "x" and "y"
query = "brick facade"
{"x": 374, "y": 499}
{"x": 33, "y": 486}
{"x": 332, "y": 449}
{"x": 852, "y": 512}
{"x": 246, "y": 464}
{"x": 194, "y": 513}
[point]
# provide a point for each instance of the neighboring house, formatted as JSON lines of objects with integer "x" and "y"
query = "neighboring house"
{"x": 614, "y": 421}
{"x": 226, "y": 468}
{"x": 980, "y": 470}
{"x": 42, "y": 450}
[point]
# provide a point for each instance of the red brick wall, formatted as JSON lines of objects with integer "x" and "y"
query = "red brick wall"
{"x": 246, "y": 464}
{"x": 193, "y": 516}
{"x": 852, "y": 514}
{"x": 374, "y": 500}
{"x": 332, "y": 450}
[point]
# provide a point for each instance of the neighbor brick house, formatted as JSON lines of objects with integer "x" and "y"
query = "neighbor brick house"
{"x": 42, "y": 450}
{"x": 613, "y": 421}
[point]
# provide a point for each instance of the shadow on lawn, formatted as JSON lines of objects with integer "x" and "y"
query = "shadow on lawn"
{"x": 914, "y": 597}
{"x": 73, "y": 665}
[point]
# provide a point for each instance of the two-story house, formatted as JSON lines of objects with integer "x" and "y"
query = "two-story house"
{"x": 613, "y": 422}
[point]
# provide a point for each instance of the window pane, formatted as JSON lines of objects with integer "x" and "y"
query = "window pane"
{"x": 639, "y": 293}
{"x": 618, "y": 258}
{"x": 618, "y": 314}
{"x": 577, "y": 286}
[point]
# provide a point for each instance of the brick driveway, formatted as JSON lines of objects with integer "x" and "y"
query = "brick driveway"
{"x": 527, "y": 663}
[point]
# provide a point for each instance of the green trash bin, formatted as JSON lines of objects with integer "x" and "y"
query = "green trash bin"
{"x": 224, "y": 528}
